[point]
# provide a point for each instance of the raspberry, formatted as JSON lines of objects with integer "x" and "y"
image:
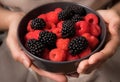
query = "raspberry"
{"x": 29, "y": 35}
{"x": 58, "y": 29}
{"x": 85, "y": 52}
{"x": 82, "y": 27}
{"x": 48, "y": 39}
{"x": 35, "y": 47}
{"x": 57, "y": 55}
{"x": 68, "y": 29}
{"x": 52, "y": 17}
{"x": 92, "y": 40}
{"x": 58, "y": 10}
{"x": 38, "y": 24}
{"x": 91, "y": 18}
{"x": 77, "y": 45}
{"x": 32, "y": 35}
{"x": 70, "y": 57}
{"x": 59, "y": 25}
{"x": 65, "y": 15}
{"x": 29, "y": 28}
{"x": 50, "y": 26}
{"x": 76, "y": 18}
{"x": 95, "y": 30}
{"x": 62, "y": 43}
{"x": 43, "y": 16}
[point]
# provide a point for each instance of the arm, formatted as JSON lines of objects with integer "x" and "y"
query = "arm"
{"x": 5, "y": 18}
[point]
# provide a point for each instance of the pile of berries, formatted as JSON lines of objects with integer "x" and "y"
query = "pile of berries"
{"x": 63, "y": 34}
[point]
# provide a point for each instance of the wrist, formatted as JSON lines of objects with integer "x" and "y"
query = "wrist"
{"x": 7, "y": 17}
{"x": 15, "y": 18}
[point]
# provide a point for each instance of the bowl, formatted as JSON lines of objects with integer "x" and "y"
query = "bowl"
{"x": 56, "y": 67}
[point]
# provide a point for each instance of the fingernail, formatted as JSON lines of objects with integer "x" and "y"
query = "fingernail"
{"x": 26, "y": 63}
{"x": 79, "y": 71}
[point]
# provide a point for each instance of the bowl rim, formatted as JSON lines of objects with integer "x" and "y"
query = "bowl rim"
{"x": 86, "y": 57}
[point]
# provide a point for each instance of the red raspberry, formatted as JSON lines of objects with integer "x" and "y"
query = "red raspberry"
{"x": 92, "y": 40}
{"x": 43, "y": 16}
{"x": 57, "y": 55}
{"x": 95, "y": 30}
{"x": 28, "y": 36}
{"x": 82, "y": 27}
{"x": 62, "y": 43}
{"x": 29, "y": 28}
{"x": 50, "y": 26}
{"x": 91, "y": 18}
{"x": 32, "y": 35}
{"x": 70, "y": 57}
{"x": 59, "y": 25}
{"x": 58, "y": 10}
{"x": 52, "y": 17}
{"x": 58, "y": 30}
{"x": 85, "y": 52}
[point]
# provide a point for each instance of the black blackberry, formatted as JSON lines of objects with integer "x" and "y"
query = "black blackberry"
{"x": 77, "y": 45}
{"x": 48, "y": 38}
{"x": 65, "y": 14}
{"x": 77, "y": 10}
{"x": 38, "y": 23}
{"x": 68, "y": 29}
{"x": 35, "y": 47}
{"x": 76, "y": 18}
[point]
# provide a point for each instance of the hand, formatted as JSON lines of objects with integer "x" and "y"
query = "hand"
{"x": 113, "y": 22}
{"x": 18, "y": 53}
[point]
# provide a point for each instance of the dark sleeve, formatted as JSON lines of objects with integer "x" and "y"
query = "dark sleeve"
{"x": 110, "y": 4}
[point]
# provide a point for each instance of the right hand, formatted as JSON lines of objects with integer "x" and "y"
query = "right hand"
{"x": 112, "y": 20}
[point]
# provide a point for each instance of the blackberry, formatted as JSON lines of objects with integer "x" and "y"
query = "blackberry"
{"x": 48, "y": 38}
{"x": 38, "y": 24}
{"x": 77, "y": 45}
{"x": 35, "y": 47}
{"x": 76, "y": 18}
{"x": 77, "y": 10}
{"x": 65, "y": 15}
{"x": 68, "y": 29}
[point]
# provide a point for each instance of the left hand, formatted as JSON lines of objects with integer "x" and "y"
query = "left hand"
{"x": 19, "y": 55}
{"x": 113, "y": 22}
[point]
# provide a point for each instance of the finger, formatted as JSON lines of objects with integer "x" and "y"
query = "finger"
{"x": 83, "y": 66}
{"x": 110, "y": 16}
{"x": 53, "y": 76}
{"x": 17, "y": 52}
{"x": 74, "y": 74}
{"x": 95, "y": 61}
{"x": 96, "y": 58}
